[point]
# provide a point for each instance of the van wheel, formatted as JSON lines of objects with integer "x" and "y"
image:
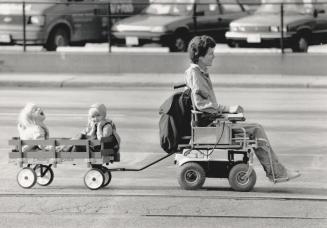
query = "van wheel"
{"x": 58, "y": 38}
{"x": 301, "y": 44}
{"x": 191, "y": 176}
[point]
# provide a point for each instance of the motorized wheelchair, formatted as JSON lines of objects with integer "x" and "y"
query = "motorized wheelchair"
{"x": 225, "y": 135}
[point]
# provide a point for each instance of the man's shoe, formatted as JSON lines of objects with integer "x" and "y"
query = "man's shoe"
{"x": 293, "y": 174}
{"x": 290, "y": 175}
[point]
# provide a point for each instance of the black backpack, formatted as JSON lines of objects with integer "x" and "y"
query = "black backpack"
{"x": 175, "y": 120}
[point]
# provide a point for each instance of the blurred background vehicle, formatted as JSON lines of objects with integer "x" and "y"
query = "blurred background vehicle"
{"x": 304, "y": 24}
{"x": 54, "y": 23}
{"x": 174, "y": 23}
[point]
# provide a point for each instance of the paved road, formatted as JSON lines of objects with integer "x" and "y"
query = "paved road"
{"x": 295, "y": 122}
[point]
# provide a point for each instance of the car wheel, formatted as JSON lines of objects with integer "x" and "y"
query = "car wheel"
{"x": 179, "y": 43}
{"x": 58, "y": 38}
{"x": 301, "y": 44}
{"x": 233, "y": 44}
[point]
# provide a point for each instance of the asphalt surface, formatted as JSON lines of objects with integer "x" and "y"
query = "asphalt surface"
{"x": 293, "y": 118}
{"x": 292, "y": 108}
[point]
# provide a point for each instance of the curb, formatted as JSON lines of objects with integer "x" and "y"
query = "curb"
{"x": 157, "y": 80}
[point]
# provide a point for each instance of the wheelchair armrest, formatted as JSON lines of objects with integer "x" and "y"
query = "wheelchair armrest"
{"x": 196, "y": 112}
{"x": 236, "y": 117}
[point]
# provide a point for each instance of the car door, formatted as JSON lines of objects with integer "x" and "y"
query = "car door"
{"x": 320, "y": 31}
{"x": 87, "y": 25}
{"x": 207, "y": 18}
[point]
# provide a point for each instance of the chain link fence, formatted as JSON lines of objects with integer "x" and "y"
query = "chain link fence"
{"x": 292, "y": 24}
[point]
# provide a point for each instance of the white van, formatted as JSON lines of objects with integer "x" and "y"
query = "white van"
{"x": 54, "y": 23}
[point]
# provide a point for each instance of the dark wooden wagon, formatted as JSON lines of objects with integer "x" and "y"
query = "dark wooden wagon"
{"x": 36, "y": 165}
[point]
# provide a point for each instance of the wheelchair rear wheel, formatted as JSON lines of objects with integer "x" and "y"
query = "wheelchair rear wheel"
{"x": 237, "y": 179}
{"x": 191, "y": 176}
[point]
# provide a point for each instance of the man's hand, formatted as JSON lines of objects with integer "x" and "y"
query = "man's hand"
{"x": 236, "y": 109}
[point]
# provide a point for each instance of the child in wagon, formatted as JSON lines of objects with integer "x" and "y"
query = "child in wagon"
{"x": 31, "y": 126}
{"x": 98, "y": 127}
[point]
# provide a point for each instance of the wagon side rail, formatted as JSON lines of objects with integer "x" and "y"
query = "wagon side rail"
{"x": 48, "y": 152}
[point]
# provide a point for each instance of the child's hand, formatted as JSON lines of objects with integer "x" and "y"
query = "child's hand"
{"x": 93, "y": 128}
{"x": 101, "y": 124}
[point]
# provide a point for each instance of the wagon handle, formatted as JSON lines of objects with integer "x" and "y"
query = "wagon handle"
{"x": 144, "y": 167}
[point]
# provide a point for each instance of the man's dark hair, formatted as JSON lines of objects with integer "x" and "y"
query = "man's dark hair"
{"x": 199, "y": 46}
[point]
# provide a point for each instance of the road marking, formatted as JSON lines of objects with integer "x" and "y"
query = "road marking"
{"x": 152, "y": 195}
{"x": 234, "y": 216}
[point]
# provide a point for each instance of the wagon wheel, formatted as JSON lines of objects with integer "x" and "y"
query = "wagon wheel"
{"x": 94, "y": 179}
{"x": 107, "y": 176}
{"x": 237, "y": 179}
{"x": 191, "y": 176}
{"x": 26, "y": 177}
{"x": 44, "y": 175}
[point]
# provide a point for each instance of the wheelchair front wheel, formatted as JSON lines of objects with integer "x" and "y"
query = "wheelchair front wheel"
{"x": 237, "y": 179}
{"x": 191, "y": 176}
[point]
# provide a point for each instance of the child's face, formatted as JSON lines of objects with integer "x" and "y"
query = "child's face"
{"x": 208, "y": 58}
{"x": 94, "y": 116}
{"x": 37, "y": 114}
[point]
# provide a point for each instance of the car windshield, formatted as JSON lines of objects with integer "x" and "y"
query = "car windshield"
{"x": 166, "y": 7}
{"x": 290, "y": 7}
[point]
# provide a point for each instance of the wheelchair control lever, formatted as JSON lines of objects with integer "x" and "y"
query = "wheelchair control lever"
{"x": 177, "y": 86}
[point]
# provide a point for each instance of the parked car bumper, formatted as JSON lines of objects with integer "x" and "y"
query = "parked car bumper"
{"x": 15, "y": 35}
{"x": 143, "y": 37}
{"x": 272, "y": 39}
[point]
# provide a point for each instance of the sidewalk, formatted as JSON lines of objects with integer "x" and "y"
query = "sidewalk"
{"x": 156, "y": 80}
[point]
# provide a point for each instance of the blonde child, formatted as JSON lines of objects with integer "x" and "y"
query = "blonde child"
{"x": 31, "y": 126}
{"x": 98, "y": 127}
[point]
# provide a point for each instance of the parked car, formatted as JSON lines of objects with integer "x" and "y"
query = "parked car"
{"x": 304, "y": 24}
{"x": 54, "y": 23}
{"x": 174, "y": 24}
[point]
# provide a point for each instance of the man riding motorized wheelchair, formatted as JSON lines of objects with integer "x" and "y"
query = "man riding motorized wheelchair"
{"x": 195, "y": 144}
{"x": 213, "y": 128}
